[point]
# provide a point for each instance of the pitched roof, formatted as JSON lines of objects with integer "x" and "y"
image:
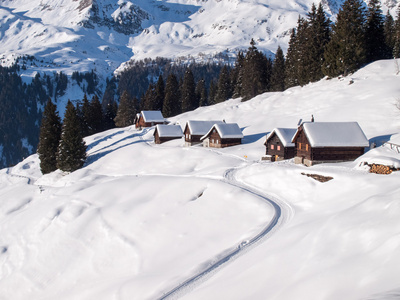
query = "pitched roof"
{"x": 285, "y": 135}
{"x": 152, "y": 116}
{"x": 334, "y": 134}
{"x": 226, "y": 131}
{"x": 169, "y": 130}
{"x": 395, "y": 139}
{"x": 200, "y": 127}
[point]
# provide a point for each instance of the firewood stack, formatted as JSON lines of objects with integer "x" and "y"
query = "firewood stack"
{"x": 380, "y": 169}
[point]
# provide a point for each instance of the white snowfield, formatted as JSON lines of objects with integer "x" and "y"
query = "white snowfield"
{"x": 140, "y": 220}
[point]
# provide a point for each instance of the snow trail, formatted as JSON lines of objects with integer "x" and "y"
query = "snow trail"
{"x": 283, "y": 213}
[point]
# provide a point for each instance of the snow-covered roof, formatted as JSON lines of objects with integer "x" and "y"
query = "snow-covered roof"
{"x": 335, "y": 134}
{"x": 395, "y": 139}
{"x": 201, "y": 127}
{"x": 152, "y": 116}
{"x": 226, "y": 131}
{"x": 285, "y": 135}
{"x": 169, "y": 130}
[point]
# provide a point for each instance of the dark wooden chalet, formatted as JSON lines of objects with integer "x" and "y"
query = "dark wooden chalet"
{"x": 165, "y": 133}
{"x": 319, "y": 142}
{"x": 194, "y": 130}
{"x": 279, "y": 144}
{"x": 223, "y": 135}
{"x": 149, "y": 118}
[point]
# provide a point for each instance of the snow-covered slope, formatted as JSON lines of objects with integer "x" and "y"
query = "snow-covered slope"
{"x": 139, "y": 218}
{"x": 100, "y": 35}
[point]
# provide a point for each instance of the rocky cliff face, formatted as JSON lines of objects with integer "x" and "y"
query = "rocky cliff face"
{"x": 123, "y": 17}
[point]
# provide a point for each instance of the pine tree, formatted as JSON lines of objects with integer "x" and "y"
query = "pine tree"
{"x": 237, "y": 76}
{"x": 212, "y": 93}
{"x": 224, "y": 90}
{"x": 278, "y": 72}
{"x": 83, "y": 111}
{"x": 318, "y": 34}
{"x": 96, "y": 116}
{"x": 256, "y": 73}
{"x": 346, "y": 52}
{"x": 396, "y": 46}
{"x": 291, "y": 76}
{"x": 188, "y": 92}
{"x": 389, "y": 32}
{"x": 374, "y": 32}
{"x": 49, "y": 138}
{"x": 126, "y": 111}
{"x": 71, "y": 153}
{"x": 172, "y": 104}
{"x": 109, "y": 115}
{"x": 201, "y": 92}
{"x": 148, "y": 101}
{"x": 159, "y": 94}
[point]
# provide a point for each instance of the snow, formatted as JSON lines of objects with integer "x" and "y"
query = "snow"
{"x": 395, "y": 139}
{"x": 285, "y": 135}
{"x": 335, "y": 134}
{"x": 152, "y": 116}
{"x": 54, "y": 32}
{"x": 197, "y": 127}
{"x": 139, "y": 219}
{"x": 226, "y": 131}
{"x": 169, "y": 130}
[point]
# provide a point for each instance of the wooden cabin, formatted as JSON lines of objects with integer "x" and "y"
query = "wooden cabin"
{"x": 149, "y": 118}
{"x": 223, "y": 135}
{"x": 279, "y": 144}
{"x": 321, "y": 142}
{"x": 165, "y": 133}
{"x": 194, "y": 130}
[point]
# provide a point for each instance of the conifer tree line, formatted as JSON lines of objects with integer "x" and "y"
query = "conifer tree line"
{"x": 317, "y": 48}
{"x": 359, "y": 36}
{"x": 61, "y": 145}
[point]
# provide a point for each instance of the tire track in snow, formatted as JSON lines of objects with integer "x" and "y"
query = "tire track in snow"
{"x": 283, "y": 213}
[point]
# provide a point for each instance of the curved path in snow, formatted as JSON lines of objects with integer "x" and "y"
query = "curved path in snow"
{"x": 282, "y": 214}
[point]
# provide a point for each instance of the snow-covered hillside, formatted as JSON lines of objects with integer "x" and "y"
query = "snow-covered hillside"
{"x": 140, "y": 219}
{"x": 100, "y": 35}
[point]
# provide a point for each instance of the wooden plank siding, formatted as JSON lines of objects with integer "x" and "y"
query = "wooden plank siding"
{"x": 276, "y": 150}
{"x": 160, "y": 140}
{"x": 308, "y": 155}
{"x": 303, "y": 148}
{"x": 191, "y": 139}
{"x": 140, "y": 123}
{"x": 217, "y": 142}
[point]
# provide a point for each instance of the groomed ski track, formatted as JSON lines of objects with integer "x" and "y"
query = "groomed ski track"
{"x": 283, "y": 212}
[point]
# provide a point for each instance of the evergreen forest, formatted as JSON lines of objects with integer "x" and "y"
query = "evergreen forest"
{"x": 317, "y": 48}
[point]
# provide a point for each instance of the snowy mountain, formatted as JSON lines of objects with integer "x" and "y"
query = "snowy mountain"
{"x": 141, "y": 220}
{"x": 100, "y": 35}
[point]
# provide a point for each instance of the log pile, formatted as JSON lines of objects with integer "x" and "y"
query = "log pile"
{"x": 380, "y": 169}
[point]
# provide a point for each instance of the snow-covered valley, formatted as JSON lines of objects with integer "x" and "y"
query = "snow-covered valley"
{"x": 140, "y": 219}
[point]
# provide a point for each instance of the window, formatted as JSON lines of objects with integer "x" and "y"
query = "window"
{"x": 299, "y": 147}
{"x": 279, "y": 147}
{"x": 272, "y": 147}
{"x": 306, "y": 147}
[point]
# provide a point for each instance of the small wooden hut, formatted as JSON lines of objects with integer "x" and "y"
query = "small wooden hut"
{"x": 223, "y": 135}
{"x": 279, "y": 144}
{"x": 165, "y": 133}
{"x": 319, "y": 142}
{"x": 149, "y": 118}
{"x": 194, "y": 130}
